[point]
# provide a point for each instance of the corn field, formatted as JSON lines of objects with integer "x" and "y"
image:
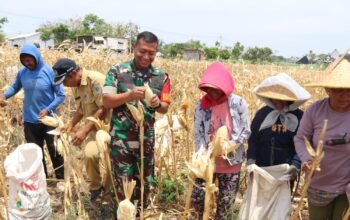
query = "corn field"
{"x": 174, "y": 146}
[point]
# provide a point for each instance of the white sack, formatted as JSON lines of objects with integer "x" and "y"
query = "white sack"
{"x": 28, "y": 197}
{"x": 268, "y": 194}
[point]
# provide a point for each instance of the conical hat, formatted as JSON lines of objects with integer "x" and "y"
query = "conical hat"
{"x": 276, "y": 92}
{"x": 337, "y": 75}
{"x": 281, "y": 87}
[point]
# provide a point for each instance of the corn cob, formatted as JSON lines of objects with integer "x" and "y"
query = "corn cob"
{"x": 127, "y": 210}
{"x": 221, "y": 145}
{"x": 148, "y": 94}
{"x": 49, "y": 121}
{"x": 137, "y": 113}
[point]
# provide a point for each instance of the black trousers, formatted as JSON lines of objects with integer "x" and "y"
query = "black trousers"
{"x": 36, "y": 133}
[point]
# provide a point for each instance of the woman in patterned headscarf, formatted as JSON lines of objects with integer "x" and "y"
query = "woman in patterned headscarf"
{"x": 275, "y": 125}
{"x": 219, "y": 107}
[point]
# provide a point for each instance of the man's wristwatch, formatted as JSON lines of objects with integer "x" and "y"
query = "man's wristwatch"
{"x": 157, "y": 107}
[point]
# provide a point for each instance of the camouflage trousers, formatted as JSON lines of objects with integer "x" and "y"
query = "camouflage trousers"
{"x": 126, "y": 164}
{"x": 228, "y": 187}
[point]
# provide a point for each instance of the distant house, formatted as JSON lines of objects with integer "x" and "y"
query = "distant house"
{"x": 20, "y": 40}
{"x": 193, "y": 54}
{"x": 119, "y": 45}
{"x": 304, "y": 60}
{"x": 334, "y": 55}
{"x": 320, "y": 59}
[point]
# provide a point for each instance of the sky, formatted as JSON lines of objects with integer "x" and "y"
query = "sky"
{"x": 288, "y": 27}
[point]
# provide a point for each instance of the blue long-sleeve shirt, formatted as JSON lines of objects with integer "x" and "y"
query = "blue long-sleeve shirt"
{"x": 273, "y": 145}
{"x": 39, "y": 91}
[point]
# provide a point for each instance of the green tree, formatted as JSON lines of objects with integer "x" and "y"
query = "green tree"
{"x": 173, "y": 50}
{"x": 90, "y": 25}
{"x": 211, "y": 53}
{"x": 217, "y": 44}
{"x": 224, "y": 54}
{"x": 237, "y": 50}
{"x": 45, "y": 35}
{"x": 256, "y": 54}
{"x": 94, "y": 25}
{"x": 60, "y": 33}
{"x": 2, "y": 22}
{"x": 177, "y": 49}
{"x": 312, "y": 56}
{"x": 194, "y": 44}
{"x": 126, "y": 30}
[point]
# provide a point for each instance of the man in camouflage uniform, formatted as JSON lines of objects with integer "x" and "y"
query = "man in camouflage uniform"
{"x": 87, "y": 91}
{"x": 125, "y": 84}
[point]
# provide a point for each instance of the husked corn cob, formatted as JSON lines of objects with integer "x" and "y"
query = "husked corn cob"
{"x": 49, "y": 121}
{"x": 99, "y": 124}
{"x": 148, "y": 94}
{"x": 221, "y": 145}
{"x": 137, "y": 113}
{"x": 127, "y": 210}
{"x": 199, "y": 163}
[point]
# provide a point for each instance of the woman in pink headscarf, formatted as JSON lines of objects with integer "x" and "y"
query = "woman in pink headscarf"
{"x": 219, "y": 107}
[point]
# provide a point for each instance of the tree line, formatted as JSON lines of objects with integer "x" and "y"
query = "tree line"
{"x": 92, "y": 24}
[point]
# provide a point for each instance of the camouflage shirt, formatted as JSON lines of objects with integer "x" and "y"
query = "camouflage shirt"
{"x": 123, "y": 77}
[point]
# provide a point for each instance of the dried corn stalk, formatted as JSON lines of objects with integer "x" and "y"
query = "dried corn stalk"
{"x": 102, "y": 140}
{"x": 4, "y": 194}
{"x": 202, "y": 166}
{"x": 197, "y": 169}
{"x": 199, "y": 163}
{"x": 138, "y": 115}
{"x": 127, "y": 210}
{"x": 184, "y": 121}
{"x": 72, "y": 170}
{"x": 210, "y": 188}
{"x": 317, "y": 157}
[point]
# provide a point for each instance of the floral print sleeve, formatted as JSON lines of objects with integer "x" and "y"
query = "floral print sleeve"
{"x": 240, "y": 118}
{"x": 200, "y": 135}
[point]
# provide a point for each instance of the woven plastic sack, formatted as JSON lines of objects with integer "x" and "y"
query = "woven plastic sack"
{"x": 267, "y": 195}
{"x": 28, "y": 196}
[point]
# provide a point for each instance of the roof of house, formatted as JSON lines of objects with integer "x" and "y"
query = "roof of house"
{"x": 304, "y": 60}
{"x": 335, "y": 54}
{"x": 23, "y": 36}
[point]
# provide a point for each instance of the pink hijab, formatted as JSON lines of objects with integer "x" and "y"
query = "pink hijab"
{"x": 216, "y": 76}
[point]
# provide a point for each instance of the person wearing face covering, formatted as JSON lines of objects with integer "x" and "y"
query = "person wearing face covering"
{"x": 327, "y": 191}
{"x": 275, "y": 125}
{"x": 220, "y": 107}
{"x": 41, "y": 98}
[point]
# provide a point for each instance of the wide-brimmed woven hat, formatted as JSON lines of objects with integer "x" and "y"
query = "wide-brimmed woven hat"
{"x": 276, "y": 92}
{"x": 281, "y": 87}
{"x": 337, "y": 75}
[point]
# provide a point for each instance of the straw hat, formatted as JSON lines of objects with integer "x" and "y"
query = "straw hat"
{"x": 276, "y": 92}
{"x": 337, "y": 75}
{"x": 281, "y": 87}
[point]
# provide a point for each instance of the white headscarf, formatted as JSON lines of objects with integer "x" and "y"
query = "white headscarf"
{"x": 287, "y": 119}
